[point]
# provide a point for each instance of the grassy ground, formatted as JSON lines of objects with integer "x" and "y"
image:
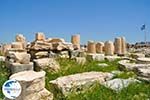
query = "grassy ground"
{"x": 97, "y": 92}
{"x": 4, "y": 74}
{"x": 137, "y": 91}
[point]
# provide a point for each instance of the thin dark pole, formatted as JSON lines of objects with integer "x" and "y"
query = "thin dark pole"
{"x": 145, "y": 37}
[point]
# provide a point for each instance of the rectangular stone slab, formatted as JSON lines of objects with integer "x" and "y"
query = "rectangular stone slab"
{"x": 74, "y": 82}
{"x": 17, "y": 67}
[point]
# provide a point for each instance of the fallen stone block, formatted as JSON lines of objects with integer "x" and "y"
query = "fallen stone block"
{"x": 119, "y": 84}
{"x": 112, "y": 58}
{"x": 19, "y": 57}
{"x": 40, "y": 46}
{"x": 41, "y": 54}
{"x": 143, "y": 60}
{"x": 17, "y": 67}
{"x": 143, "y": 79}
{"x": 55, "y": 40}
{"x": 97, "y": 57}
{"x": 143, "y": 72}
{"x": 127, "y": 65}
{"x": 47, "y": 63}
{"x": 70, "y": 83}
{"x": 33, "y": 86}
{"x": 17, "y": 45}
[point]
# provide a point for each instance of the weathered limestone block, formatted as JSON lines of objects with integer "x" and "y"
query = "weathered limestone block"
{"x": 143, "y": 60}
{"x": 47, "y": 46}
{"x": 47, "y": 63}
{"x": 118, "y": 46}
{"x": 59, "y": 46}
{"x": 143, "y": 74}
{"x": 127, "y": 65}
{"x": 118, "y": 84}
{"x": 17, "y": 45}
{"x": 42, "y": 95}
{"x": 91, "y": 47}
{"x": 112, "y": 58}
{"x": 22, "y": 39}
{"x": 67, "y": 84}
{"x": 99, "y": 47}
{"x": 146, "y": 79}
{"x": 16, "y": 50}
{"x": 98, "y": 57}
{"x": 40, "y": 46}
{"x": 69, "y": 46}
{"x": 109, "y": 48}
{"x": 33, "y": 85}
{"x": 41, "y": 54}
{"x": 124, "y": 47}
{"x": 75, "y": 39}
{"x": 40, "y": 36}
{"x": 17, "y": 67}
{"x": 19, "y": 57}
{"x": 55, "y": 40}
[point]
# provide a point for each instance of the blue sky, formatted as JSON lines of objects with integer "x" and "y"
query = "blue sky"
{"x": 97, "y": 20}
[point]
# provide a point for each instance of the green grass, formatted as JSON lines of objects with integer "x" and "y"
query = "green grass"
{"x": 126, "y": 75}
{"x": 4, "y": 73}
{"x": 68, "y": 67}
{"x": 136, "y": 91}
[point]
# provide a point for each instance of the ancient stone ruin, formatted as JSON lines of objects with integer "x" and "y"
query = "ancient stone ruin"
{"x": 33, "y": 86}
{"x": 74, "y": 82}
{"x": 26, "y": 62}
{"x": 120, "y": 46}
{"x": 100, "y": 47}
{"x": 91, "y": 47}
{"x": 17, "y": 58}
{"x": 109, "y": 48}
{"x": 75, "y": 40}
